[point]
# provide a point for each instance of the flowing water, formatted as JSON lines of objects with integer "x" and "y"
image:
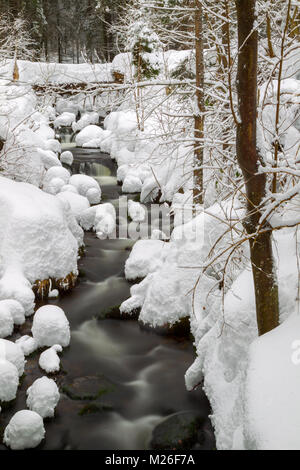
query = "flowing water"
{"x": 118, "y": 379}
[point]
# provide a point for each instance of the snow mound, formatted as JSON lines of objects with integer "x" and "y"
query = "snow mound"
{"x": 27, "y": 344}
{"x": 48, "y": 158}
{"x": 86, "y": 120}
{"x": 64, "y": 120}
{"x": 51, "y": 327}
{"x": 43, "y": 397}
{"x": 49, "y": 360}
{"x": 53, "y": 145}
{"x": 16, "y": 310}
{"x": 54, "y": 186}
{"x": 89, "y": 133}
{"x": 105, "y": 220}
{"x": 78, "y": 204}
{"x": 57, "y": 172}
{"x": 146, "y": 257}
{"x": 14, "y": 354}
{"x": 6, "y": 322}
{"x": 24, "y": 431}
{"x": 136, "y": 211}
{"x": 69, "y": 188}
{"x": 132, "y": 184}
{"x": 93, "y": 195}
{"x": 67, "y": 158}
{"x": 9, "y": 381}
{"x": 84, "y": 183}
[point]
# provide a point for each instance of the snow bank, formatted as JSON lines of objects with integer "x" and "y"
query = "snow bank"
{"x": 24, "y": 431}
{"x": 39, "y": 239}
{"x": 51, "y": 327}
{"x": 43, "y": 397}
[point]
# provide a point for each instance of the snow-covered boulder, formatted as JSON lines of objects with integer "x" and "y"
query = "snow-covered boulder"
{"x": 48, "y": 158}
{"x": 49, "y": 360}
{"x": 24, "y": 431}
{"x": 147, "y": 256}
{"x": 9, "y": 381}
{"x": 43, "y": 397}
{"x": 39, "y": 240}
{"x": 86, "y": 120}
{"x": 78, "y": 204}
{"x": 6, "y": 322}
{"x": 94, "y": 195}
{"x": 69, "y": 188}
{"x": 105, "y": 220}
{"x": 84, "y": 183}
{"x": 136, "y": 211}
{"x": 67, "y": 158}
{"x": 89, "y": 133}
{"x": 132, "y": 184}
{"x": 54, "y": 186}
{"x": 52, "y": 144}
{"x": 66, "y": 119}
{"x": 57, "y": 172}
{"x": 51, "y": 327}
{"x": 12, "y": 353}
{"x": 16, "y": 310}
{"x": 28, "y": 344}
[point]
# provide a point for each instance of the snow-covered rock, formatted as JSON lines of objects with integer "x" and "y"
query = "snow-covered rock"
{"x": 6, "y": 322}
{"x": 132, "y": 184}
{"x": 105, "y": 220}
{"x": 51, "y": 327}
{"x": 53, "y": 144}
{"x": 94, "y": 195}
{"x": 13, "y": 353}
{"x": 69, "y": 188}
{"x": 43, "y": 397}
{"x": 136, "y": 211}
{"x": 64, "y": 120}
{"x": 24, "y": 431}
{"x": 54, "y": 186}
{"x": 9, "y": 381}
{"x": 28, "y": 344}
{"x": 84, "y": 183}
{"x": 57, "y": 172}
{"x": 147, "y": 256}
{"x": 67, "y": 158}
{"x": 49, "y": 360}
{"x": 16, "y": 310}
{"x": 86, "y": 120}
{"x": 78, "y": 204}
{"x": 48, "y": 158}
{"x": 89, "y": 133}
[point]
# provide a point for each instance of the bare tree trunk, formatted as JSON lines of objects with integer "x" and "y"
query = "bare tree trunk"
{"x": 199, "y": 106}
{"x": 266, "y": 289}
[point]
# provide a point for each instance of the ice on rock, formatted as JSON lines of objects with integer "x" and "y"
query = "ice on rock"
{"x": 51, "y": 327}
{"x": 83, "y": 183}
{"x": 6, "y": 322}
{"x": 132, "y": 184}
{"x": 24, "y": 431}
{"x": 9, "y": 381}
{"x": 43, "y": 397}
{"x": 28, "y": 344}
{"x": 89, "y": 133}
{"x": 16, "y": 309}
{"x": 52, "y": 144}
{"x": 13, "y": 353}
{"x": 77, "y": 203}
{"x": 49, "y": 360}
{"x": 66, "y": 119}
{"x": 67, "y": 158}
{"x": 136, "y": 211}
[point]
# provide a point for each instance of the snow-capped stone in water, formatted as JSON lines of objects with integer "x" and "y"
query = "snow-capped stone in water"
{"x": 67, "y": 158}
{"x": 24, "y": 431}
{"x": 54, "y": 186}
{"x": 6, "y": 322}
{"x": 53, "y": 294}
{"x": 69, "y": 188}
{"x": 87, "y": 218}
{"x": 53, "y": 144}
{"x": 9, "y": 381}
{"x": 94, "y": 195}
{"x": 78, "y": 204}
{"x": 132, "y": 184}
{"x": 48, "y": 158}
{"x": 83, "y": 183}
{"x": 13, "y": 353}
{"x": 105, "y": 220}
{"x": 28, "y": 344}
{"x": 49, "y": 360}
{"x": 136, "y": 211}
{"x": 87, "y": 134}
{"x": 16, "y": 310}
{"x": 64, "y": 120}
{"x": 56, "y": 172}
{"x": 85, "y": 120}
{"x": 43, "y": 397}
{"x": 51, "y": 327}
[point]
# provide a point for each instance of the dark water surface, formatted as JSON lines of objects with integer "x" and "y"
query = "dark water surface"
{"x": 118, "y": 380}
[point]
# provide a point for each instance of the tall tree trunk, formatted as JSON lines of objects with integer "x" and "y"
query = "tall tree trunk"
{"x": 266, "y": 289}
{"x": 199, "y": 106}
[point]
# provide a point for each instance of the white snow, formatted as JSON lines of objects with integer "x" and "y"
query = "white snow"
{"x": 89, "y": 133}
{"x": 43, "y": 397}
{"x": 49, "y": 360}
{"x": 76, "y": 203}
{"x": 28, "y": 344}
{"x": 84, "y": 183}
{"x": 16, "y": 310}
{"x": 136, "y": 211}
{"x": 24, "y": 431}
{"x": 6, "y": 322}
{"x": 14, "y": 354}
{"x": 105, "y": 220}
{"x": 132, "y": 184}
{"x": 9, "y": 381}
{"x": 65, "y": 120}
{"x": 51, "y": 327}
{"x": 86, "y": 120}
{"x": 147, "y": 256}
{"x": 67, "y": 158}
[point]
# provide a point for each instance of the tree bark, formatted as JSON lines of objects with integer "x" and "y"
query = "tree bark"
{"x": 263, "y": 266}
{"x": 199, "y": 106}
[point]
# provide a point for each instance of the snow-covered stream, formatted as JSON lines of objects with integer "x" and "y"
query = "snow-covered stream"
{"x": 118, "y": 379}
